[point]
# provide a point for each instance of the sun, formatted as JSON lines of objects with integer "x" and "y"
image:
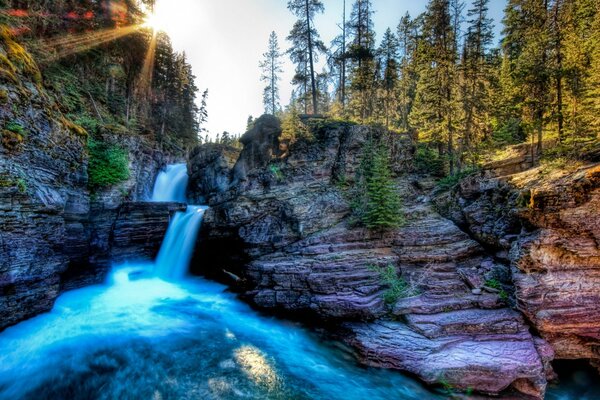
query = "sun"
{"x": 174, "y": 17}
{"x": 155, "y": 22}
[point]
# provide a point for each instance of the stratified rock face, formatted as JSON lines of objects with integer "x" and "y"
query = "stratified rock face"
{"x": 556, "y": 269}
{"x": 48, "y": 224}
{"x": 548, "y": 229}
{"x": 42, "y": 177}
{"x": 210, "y": 171}
{"x": 286, "y": 222}
{"x": 139, "y": 230}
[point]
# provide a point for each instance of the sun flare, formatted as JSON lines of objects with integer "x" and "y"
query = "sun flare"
{"x": 172, "y": 17}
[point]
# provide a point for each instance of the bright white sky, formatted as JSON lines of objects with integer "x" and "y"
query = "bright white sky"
{"x": 225, "y": 39}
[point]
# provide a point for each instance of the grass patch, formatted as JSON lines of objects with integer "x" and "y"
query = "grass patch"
{"x": 397, "y": 288}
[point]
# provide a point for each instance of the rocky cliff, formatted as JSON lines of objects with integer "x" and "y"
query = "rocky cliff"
{"x": 544, "y": 224}
{"x": 283, "y": 231}
{"x": 54, "y": 234}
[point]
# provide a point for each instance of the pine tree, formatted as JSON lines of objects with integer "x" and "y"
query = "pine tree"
{"x": 476, "y": 71}
{"x": 388, "y": 54}
{"x": 435, "y": 108}
{"x": 383, "y": 205}
{"x": 306, "y": 44}
{"x": 362, "y": 54}
{"x": 526, "y": 45}
{"x": 271, "y": 67}
{"x": 408, "y": 33}
{"x": 338, "y": 61}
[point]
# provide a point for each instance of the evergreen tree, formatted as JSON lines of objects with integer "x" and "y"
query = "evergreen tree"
{"x": 434, "y": 112}
{"x": 338, "y": 61}
{"x": 476, "y": 71}
{"x": 526, "y": 45}
{"x": 408, "y": 34}
{"x": 271, "y": 67}
{"x": 377, "y": 204}
{"x": 306, "y": 44}
{"x": 388, "y": 54}
{"x": 362, "y": 54}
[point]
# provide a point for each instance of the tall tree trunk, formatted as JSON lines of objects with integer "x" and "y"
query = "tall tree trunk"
{"x": 273, "y": 85}
{"x": 559, "y": 57}
{"x": 343, "y": 80}
{"x": 312, "y": 65}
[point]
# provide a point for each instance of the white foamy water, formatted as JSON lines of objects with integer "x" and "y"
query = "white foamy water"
{"x": 171, "y": 184}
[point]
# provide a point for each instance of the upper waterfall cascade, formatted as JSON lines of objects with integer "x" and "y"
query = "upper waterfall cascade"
{"x": 171, "y": 184}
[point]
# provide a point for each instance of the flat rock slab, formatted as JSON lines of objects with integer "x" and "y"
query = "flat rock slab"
{"x": 489, "y": 362}
{"x": 473, "y": 321}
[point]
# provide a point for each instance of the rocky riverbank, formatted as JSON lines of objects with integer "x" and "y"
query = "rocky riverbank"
{"x": 282, "y": 232}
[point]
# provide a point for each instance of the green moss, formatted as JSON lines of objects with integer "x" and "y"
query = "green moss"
{"x": 73, "y": 127}
{"x": 108, "y": 164}
{"x": 19, "y": 56}
{"x": 3, "y": 96}
{"x": 16, "y": 127}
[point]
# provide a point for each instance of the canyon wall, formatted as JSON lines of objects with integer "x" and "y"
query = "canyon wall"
{"x": 544, "y": 225}
{"x": 54, "y": 234}
{"x": 282, "y": 232}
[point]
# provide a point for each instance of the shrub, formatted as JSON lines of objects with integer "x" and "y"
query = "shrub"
{"x": 108, "y": 164}
{"x": 397, "y": 286}
{"x": 510, "y": 132}
{"x": 452, "y": 180}
{"x": 293, "y": 128}
{"x": 428, "y": 161}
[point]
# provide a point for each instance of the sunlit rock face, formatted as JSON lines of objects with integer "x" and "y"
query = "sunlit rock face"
{"x": 284, "y": 229}
{"x": 547, "y": 228}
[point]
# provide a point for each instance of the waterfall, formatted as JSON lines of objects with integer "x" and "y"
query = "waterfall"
{"x": 178, "y": 245}
{"x": 171, "y": 184}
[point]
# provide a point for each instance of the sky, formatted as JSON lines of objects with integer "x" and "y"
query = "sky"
{"x": 225, "y": 39}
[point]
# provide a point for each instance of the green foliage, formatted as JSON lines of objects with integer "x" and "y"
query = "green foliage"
{"x": 108, "y": 164}
{"x": 397, "y": 288}
{"x": 450, "y": 181}
{"x": 376, "y": 203}
{"x": 428, "y": 161}
{"x": 293, "y": 128}
{"x": 16, "y": 127}
{"x": 21, "y": 185}
{"x": 276, "y": 171}
{"x": 497, "y": 285}
{"x": 510, "y": 132}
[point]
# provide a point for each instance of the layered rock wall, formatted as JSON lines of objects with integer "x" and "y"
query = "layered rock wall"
{"x": 546, "y": 226}
{"x": 285, "y": 225}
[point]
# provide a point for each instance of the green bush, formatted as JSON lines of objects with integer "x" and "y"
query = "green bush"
{"x": 452, "y": 180}
{"x": 428, "y": 161}
{"x": 108, "y": 164}
{"x": 397, "y": 288}
{"x": 510, "y": 132}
